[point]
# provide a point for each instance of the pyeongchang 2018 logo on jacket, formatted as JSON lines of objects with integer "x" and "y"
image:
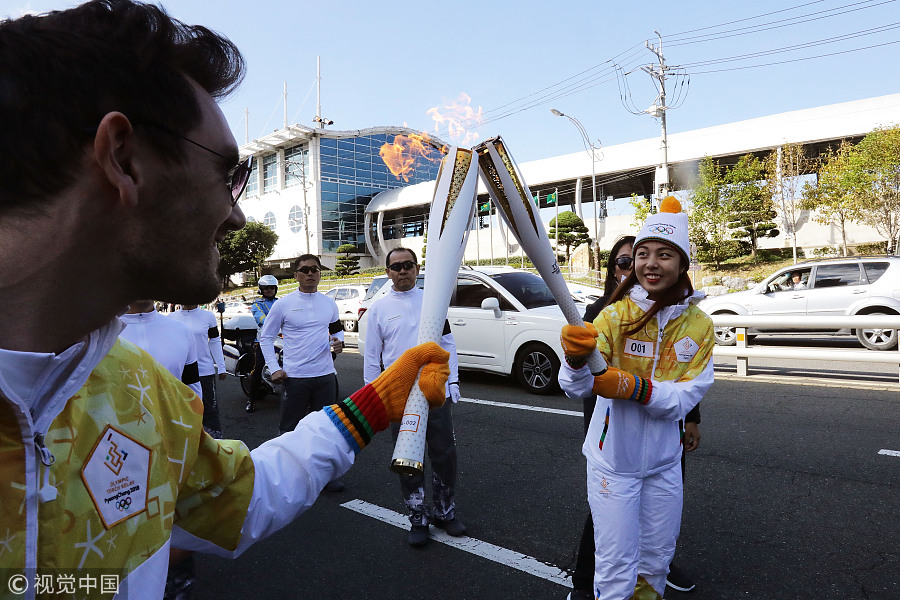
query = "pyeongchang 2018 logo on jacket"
{"x": 117, "y": 476}
{"x": 662, "y": 229}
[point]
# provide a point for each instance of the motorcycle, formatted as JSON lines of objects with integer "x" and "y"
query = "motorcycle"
{"x": 239, "y": 334}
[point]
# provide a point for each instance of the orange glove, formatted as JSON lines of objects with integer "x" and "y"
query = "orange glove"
{"x": 578, "y": 343}
{"x": 368, "y": 410}
{"x": 393, "y": 386}
{"x": 615, "y": 383}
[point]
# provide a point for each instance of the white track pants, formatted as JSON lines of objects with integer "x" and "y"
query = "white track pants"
{"x": 636, "y": 525}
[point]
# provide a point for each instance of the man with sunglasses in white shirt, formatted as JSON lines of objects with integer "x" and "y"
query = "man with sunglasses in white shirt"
{"x": 311, "y": 327}
{"x": 393, "y": 327}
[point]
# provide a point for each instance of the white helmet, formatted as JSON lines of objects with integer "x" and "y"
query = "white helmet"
{"x": 267, "y": 280}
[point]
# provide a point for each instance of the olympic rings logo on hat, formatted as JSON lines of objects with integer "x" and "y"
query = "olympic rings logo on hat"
{"x": 124, "y": 503}
{"x": 662, "y": 229}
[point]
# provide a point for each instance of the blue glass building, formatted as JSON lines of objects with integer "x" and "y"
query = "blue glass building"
{"x": 312, "y": 187}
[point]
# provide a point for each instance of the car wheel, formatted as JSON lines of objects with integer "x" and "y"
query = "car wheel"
{"x": 725, "y": 336}
{"x": 877, "y": 339}
{"x": 537, "y": 369}
{"x": 349, "y": 325}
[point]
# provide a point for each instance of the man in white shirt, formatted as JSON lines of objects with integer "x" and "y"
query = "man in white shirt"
{"x": 311, "y": 328}
{"x": 210, "y": 360}
{"x": 393, "y": 327}
{"x": 170, "y": 343}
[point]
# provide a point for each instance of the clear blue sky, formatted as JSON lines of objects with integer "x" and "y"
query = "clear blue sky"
{"x": 389, "y": 62}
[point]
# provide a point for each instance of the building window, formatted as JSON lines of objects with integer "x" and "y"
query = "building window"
{"x": 252, "y": 189}
{"x": 295, "y": 219}
{"x": 269, "y": 220}
{"x": 296, "y": 165}
{"x": 352, "y": 172}
{"x": 270, "y": 173}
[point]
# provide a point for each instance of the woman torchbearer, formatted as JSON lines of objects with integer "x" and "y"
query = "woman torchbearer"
{"x": 658, "y": 345}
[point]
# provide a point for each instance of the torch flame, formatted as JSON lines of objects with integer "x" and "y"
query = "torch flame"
{"x": 457, "y": 115}
{"x": 400, "y": 156}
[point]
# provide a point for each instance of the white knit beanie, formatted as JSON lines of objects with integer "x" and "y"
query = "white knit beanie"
{"x": 669, "y": 225}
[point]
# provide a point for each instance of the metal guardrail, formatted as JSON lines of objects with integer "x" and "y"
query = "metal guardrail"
{"x": 744, "y": 352}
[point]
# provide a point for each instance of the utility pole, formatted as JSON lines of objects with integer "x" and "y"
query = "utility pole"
{"x": 658, "y": 109}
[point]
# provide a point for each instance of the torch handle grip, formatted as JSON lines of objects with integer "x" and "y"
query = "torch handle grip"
{"x": 409, "y": 450}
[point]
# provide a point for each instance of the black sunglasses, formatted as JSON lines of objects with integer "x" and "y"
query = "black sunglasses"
{"x": 407, "y": 265}
{"x": 238, "y": 175}
{"x": 308, "y": 270}
{"x": 624, "y": 262}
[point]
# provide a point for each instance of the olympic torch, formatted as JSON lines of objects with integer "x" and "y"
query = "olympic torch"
{"x": 515, "y": 204}
{"x": 448, "y": 230}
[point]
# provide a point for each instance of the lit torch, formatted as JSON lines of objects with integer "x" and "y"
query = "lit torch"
{"x": 515, "y": 204}
{"x": 448, "y": 230}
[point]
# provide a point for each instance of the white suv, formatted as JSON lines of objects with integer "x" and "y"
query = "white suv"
{"x": 867, "y": 285}
{"x": 504, "y": 320}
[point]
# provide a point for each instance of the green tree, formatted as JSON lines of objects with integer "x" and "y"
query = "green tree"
{"x": 875, "y": 174}
{"x": 785, "y": 169}
{"x": 709, "y": 214}
{"x": 750, "y": 206}
{"x": 347, "y": 264}
{"x": 642, "y": 209}
{"x": 830, "y": 197}
{"x": 246, "y": 250}
{"x": 571, "y": 231}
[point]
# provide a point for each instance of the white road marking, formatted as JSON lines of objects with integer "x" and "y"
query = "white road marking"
{"x": 890, "y": 452}
{"x": 556, "y": 411}
{"x": 517, "y": 561}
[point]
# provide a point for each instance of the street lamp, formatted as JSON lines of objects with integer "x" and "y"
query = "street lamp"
{"x": 591, "y": 149}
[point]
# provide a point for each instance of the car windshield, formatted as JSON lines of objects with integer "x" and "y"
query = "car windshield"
{"x": 375, "y": 286}
{"x": 528, "y": 288}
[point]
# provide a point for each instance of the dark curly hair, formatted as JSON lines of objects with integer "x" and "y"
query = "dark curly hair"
{"x": 61, "y": 72}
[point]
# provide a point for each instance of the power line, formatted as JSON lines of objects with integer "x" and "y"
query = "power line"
{"x": 782, "y": 62}
{"x": 605, "y": 71}
{"x": 779, "y": 24}
{"x": 774, "y": 12}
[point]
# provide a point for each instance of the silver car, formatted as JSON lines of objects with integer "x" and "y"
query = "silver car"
{"x": 839, "y": 287}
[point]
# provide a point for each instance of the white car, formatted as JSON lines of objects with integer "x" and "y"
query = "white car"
{"x": 348, "y": 299}
{"x": 504, "y": 320}
{"x": 236, "y": 308}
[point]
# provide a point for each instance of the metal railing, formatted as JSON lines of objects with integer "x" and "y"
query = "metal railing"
{"x": 744, "y": 352}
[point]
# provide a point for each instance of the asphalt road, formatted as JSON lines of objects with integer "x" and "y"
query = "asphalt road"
{"x": 793, "y": 493}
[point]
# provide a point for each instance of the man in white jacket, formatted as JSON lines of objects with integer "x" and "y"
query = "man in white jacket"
{"x": 393, "y": 327}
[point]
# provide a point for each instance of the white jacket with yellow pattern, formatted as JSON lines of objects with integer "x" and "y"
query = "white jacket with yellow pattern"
{"x": 674, "y": 351}
{"x": 110, "y": 466}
